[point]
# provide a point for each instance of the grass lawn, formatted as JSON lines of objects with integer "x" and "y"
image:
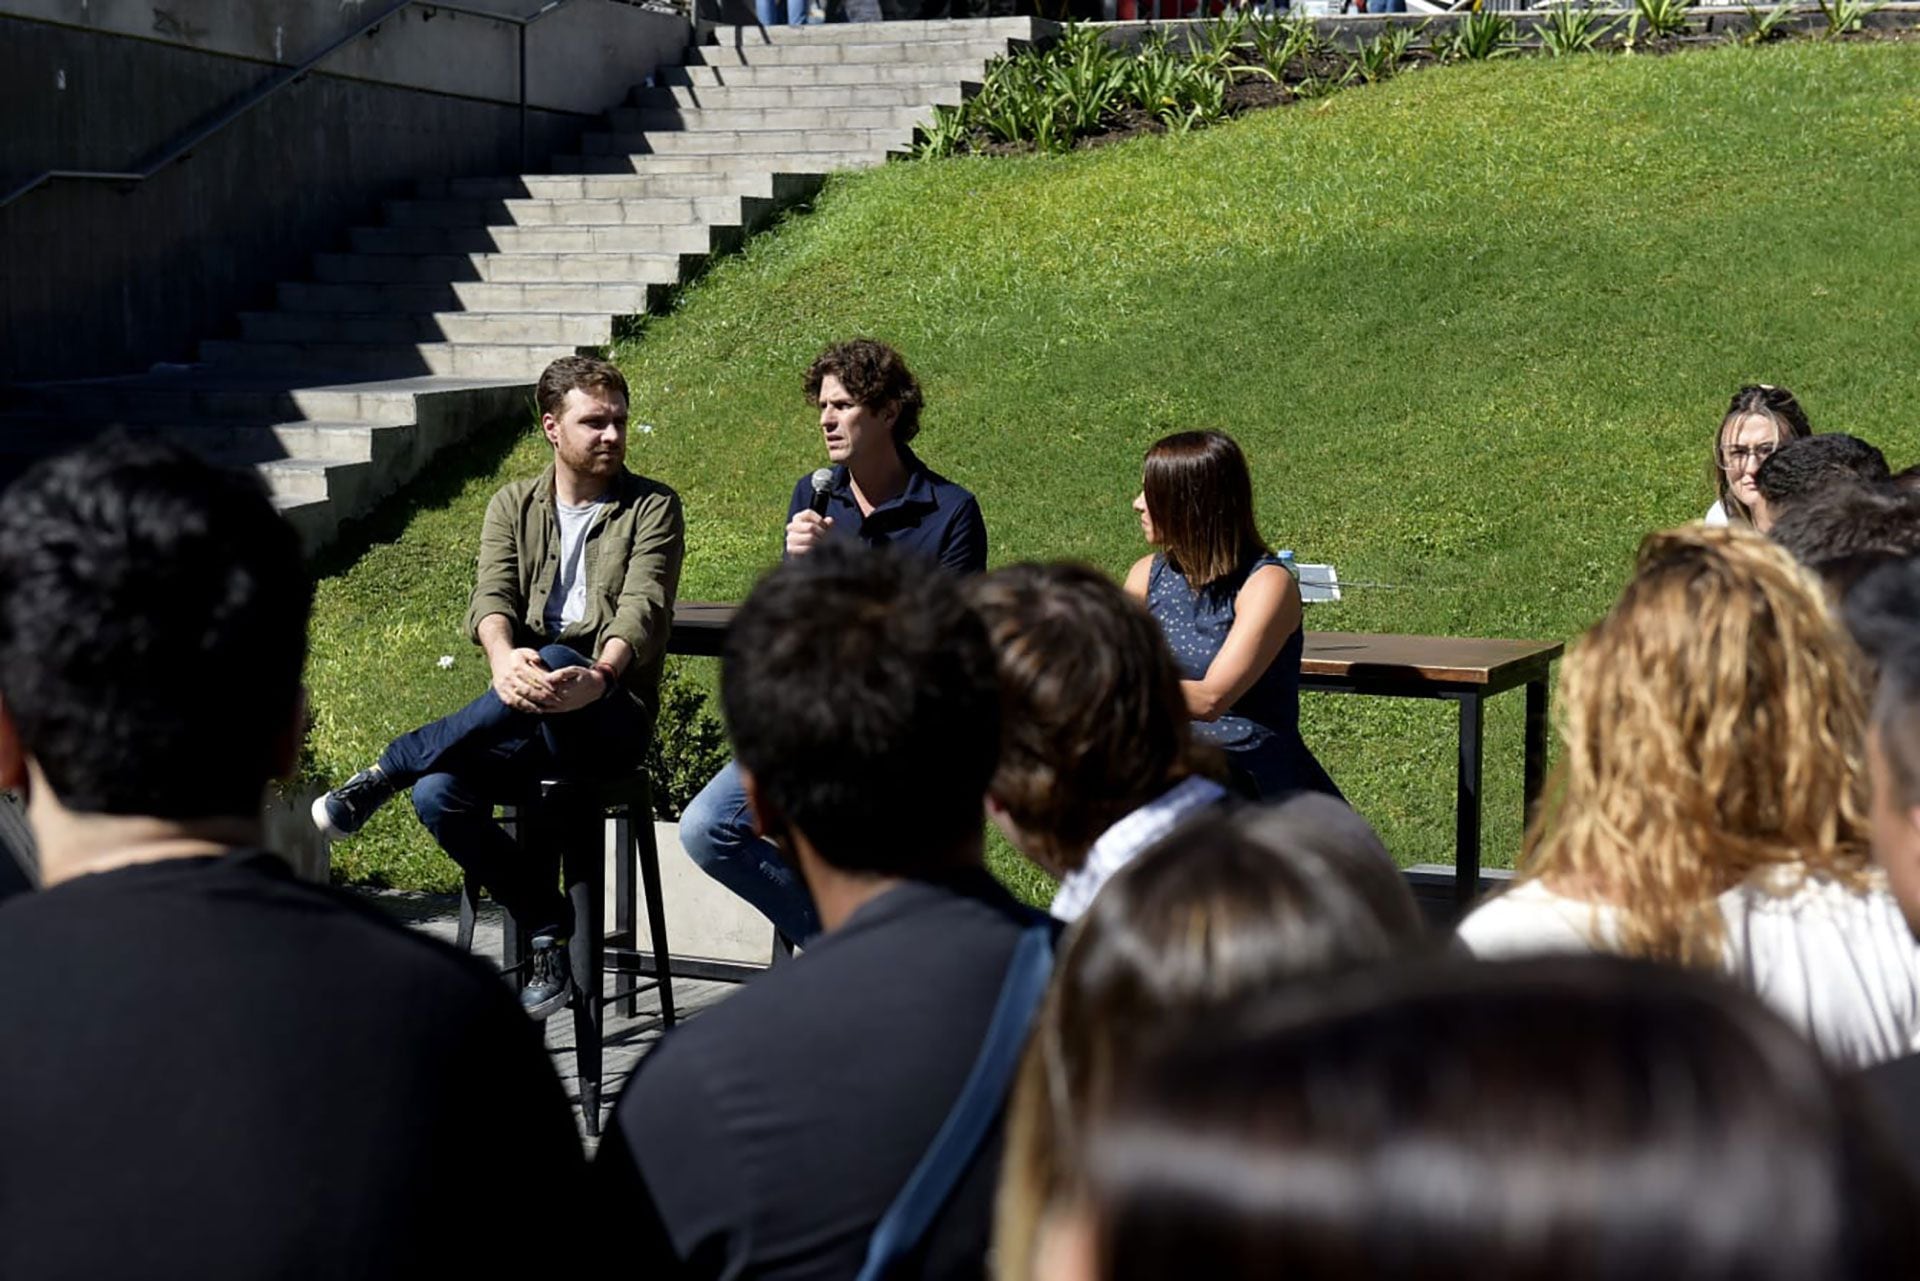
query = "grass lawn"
{"x": 1474, "y": 327}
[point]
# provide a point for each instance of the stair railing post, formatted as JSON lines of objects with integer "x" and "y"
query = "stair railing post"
{"x": 523, "y": 95}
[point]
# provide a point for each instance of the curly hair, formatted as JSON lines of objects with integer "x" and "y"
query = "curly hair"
{"x": 1713, "y": 728}
{"x": 875, "y": 375}
{"x": 1775, "y": 404}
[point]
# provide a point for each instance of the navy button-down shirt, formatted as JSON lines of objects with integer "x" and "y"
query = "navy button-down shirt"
{"x": 931, "y": 517}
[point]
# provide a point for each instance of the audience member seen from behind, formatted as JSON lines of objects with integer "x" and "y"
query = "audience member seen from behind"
{"x": 1709, "y": 807}
{"x": 1846, "y": 530}
{"x": 1097, "y": 761}
{"x": 210, "y": 1068}
{"x": 1882, "y": 609}
{"x": 767, "y": 1137}
{"x": 1232, "y": 905}
{"x": 1758, "y": 421}
{"x": 1810, "y": 465}
{"x": 572, "y": 603}
{"x": 1893, "y": 763}
{"x": 1584, "y": 1119}
{"x": 1230, "y": 610}
{"x": 877, "y": 494}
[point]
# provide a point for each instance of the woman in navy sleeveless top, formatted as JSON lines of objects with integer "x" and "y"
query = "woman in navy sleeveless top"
{"x": 1230, "y": 610}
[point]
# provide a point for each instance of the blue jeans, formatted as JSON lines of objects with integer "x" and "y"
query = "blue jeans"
{"x": 769, "y": 12}
{"x": 486, "y": 754}
{"x": 717, "y": 830}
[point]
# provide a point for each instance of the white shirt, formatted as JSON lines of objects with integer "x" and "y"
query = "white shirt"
{"x": 1841, "y": 965}
{"x": 1119, "y": 844}
{"x": 1716, "y": 517}
{"x": 567, "y": 603}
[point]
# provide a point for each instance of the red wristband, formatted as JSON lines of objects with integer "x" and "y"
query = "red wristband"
{"x": 607, "y": 674}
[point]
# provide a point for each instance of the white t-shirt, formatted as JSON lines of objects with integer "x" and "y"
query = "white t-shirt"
{"x": 1839, "y": 964}
{"x": 567, "y": 603}
{"x": 1716, "y": 517}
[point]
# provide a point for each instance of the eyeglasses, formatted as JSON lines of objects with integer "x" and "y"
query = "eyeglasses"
{"x": 1736, "y": 457}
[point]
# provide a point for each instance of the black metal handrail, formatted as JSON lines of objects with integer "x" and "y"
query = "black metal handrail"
{"x": 185, "y": 147}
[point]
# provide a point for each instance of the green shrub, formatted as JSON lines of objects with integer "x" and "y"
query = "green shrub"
{"x": 1770, "y": 24}
{"x": 1479, "y": 36}
{"x": 1569, "y": 30}
{"x": 689, "y": 746}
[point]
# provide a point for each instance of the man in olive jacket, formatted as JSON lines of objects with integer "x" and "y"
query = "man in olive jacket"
{"x": 573, "y": 603}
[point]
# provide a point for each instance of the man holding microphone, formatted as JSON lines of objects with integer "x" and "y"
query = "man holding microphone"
{"x": 877, "y": 491}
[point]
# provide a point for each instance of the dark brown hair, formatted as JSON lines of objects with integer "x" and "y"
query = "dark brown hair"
{"x": 568, "y": 372}
{"x": 875, "y": 376}
{"x": 1778, "y": 406}
{"x": 1094, "y": 723}
{"x": 1200, "y": 500}
{"x": 1234, "y": 904}
{"x": 1574, "y": 1118}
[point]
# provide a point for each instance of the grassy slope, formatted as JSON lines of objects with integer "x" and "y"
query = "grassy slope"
{"x": 1473, "y": 326}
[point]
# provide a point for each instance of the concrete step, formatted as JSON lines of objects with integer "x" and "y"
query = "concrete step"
{"x": 314, "y": 519}
{"x": 808, "y": 98}
{"x": 224, "y": 441}
{"x": 643, "y": 239}
{"x": 474, "y": 360}
{"x": 523, "y": 328}
{"x": 207, "y": 396}
{"x": 781, "y": 188}
{"x": 813, "y": 75}
{"x": 314, "y": 479}
{"x": 602, "y": 212}
{"x": 711, "y": 119}
{"x": 842, "y": 53}
{"x": 931, "y": 31}
{"x": 505, "y": 267}
{"x": 792, "y": 142}
{"x": 739, "y": 162}
{"x": 538, "y": 269}
{"x": 468, "y": 295}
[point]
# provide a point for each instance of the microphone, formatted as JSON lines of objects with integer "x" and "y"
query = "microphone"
{"x": 822, "y": 485}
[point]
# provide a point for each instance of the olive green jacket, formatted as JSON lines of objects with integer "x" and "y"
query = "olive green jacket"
{"x": 632, "y": 563}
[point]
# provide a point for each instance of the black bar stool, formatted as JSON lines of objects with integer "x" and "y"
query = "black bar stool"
{"x": 557, "y": 806}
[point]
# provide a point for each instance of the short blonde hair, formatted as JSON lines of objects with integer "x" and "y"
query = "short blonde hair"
{"x": 1713, "y": 727}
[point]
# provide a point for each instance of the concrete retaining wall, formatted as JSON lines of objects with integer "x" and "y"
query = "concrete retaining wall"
{"x": 95, "y": 280}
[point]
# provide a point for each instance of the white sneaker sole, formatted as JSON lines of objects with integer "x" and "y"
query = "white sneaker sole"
{"x": 324, "y": 820}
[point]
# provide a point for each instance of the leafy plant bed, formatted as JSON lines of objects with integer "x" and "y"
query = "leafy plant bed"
{"x": 1084, "y": 91}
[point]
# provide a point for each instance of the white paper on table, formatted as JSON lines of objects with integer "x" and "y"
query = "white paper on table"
{"x": 1318, "y": 583}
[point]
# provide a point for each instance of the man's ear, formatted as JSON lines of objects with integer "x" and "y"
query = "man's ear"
{"x": 551, "y": 427}
{"x": 13, "y": 753}
{"x": 286, "y": 744}
{"x": 768, "y": 822}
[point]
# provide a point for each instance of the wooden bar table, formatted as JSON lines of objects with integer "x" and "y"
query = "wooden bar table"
{"x": 1463, "y": 670}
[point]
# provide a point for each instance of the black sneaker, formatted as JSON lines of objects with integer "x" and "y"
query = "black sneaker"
{"x": 346, "y": 809}
{"x": 549, "y": 980}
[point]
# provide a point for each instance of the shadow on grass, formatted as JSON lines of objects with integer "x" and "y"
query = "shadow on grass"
{"x": 437, "y": 486}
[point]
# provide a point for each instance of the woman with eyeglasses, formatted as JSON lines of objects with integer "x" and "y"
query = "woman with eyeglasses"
{"x": 1230, "y": 610}
{"x": 1759, "y": 420}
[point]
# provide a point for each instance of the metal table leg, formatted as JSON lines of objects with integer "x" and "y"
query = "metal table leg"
{"x": 1536, "y": 767}
{"x": 1466, "y": 819}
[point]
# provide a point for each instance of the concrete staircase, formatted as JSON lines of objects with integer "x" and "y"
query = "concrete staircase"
{"x": 436, "y": 321}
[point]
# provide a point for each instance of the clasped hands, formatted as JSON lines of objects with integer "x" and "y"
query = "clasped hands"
{"x": 525, "y": 684}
